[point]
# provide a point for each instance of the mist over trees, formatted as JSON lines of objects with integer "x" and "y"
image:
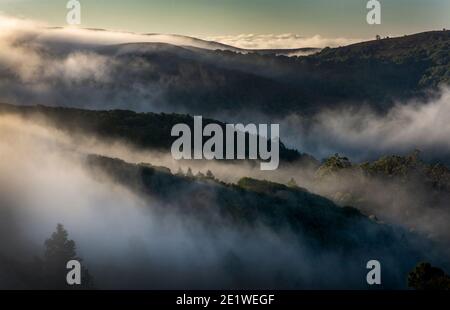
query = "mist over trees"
{"x": 161, "y": 77}
{"x": 426, "y": 277}
{"x": 47, "y": 271}
{"x": 59, "y": 250}
{"x": 152, "y": 224}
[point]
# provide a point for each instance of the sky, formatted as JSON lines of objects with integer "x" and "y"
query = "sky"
{"x": 202, "y": 18}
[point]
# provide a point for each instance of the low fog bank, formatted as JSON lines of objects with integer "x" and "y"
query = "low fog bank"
{"x": 281, "y": 41}
{"x": 126, "y": 241}
{"x": 107, "y": 70}
{"x": 363, "y": 134}
{"x": 112, "y": 70}
{"x": 80, "y": 68}
{"x": 405, "y": 203}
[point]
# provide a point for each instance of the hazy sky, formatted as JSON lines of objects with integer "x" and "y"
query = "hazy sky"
{"x": 329, "y": 18}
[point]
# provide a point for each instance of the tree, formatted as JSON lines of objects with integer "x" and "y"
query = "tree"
{"x": 210, "y": 175}
{"x": 180, "y": 172}
{"x": 333, "y": 165}
{"x": 200, "y": 175}
{"x": 59, "y": 250}
{"x": 292, "y": 183}
{"x": 59, "y": 247}
{"x": 426, "y": 277}
{"x": 189, "y": 173}
{"x": 415, "y": 156}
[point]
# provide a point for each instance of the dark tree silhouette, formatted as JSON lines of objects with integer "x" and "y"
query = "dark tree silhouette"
{"x": 189, "y": 173}
{"x": 426, "y": 277}
{"x": 292, "y": 183}
{"x": 59, "y": 247}
{"x": 200, "y": 175}
{"x": 59, "y": 250}
{"x": 210, "y": 175}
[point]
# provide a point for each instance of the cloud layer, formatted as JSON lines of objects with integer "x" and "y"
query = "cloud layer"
{"x": 128, "y": 241}
{"x": 65, "y": 67}
{"x": 280, "y": 41}
{"x": 360, "y": 132}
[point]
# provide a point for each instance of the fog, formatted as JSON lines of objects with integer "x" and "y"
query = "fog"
{"x": 362, "y": 133}
{"x": 64, "y": 67}
{"x": 408, "y": 204}
{"x": 124, "y": 238}
{"x": 281, "y": 41}
{"x": 126, "y": 241}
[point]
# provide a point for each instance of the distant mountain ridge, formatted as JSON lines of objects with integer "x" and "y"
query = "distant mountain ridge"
{"x": 190, "y": 41}
{"x": 429, "y": 50}
{"x": 181, "y": 40}
{"x": 314, "y": 221}
{"x": 162, "y": 77}
{"x": 150, "y": 131}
